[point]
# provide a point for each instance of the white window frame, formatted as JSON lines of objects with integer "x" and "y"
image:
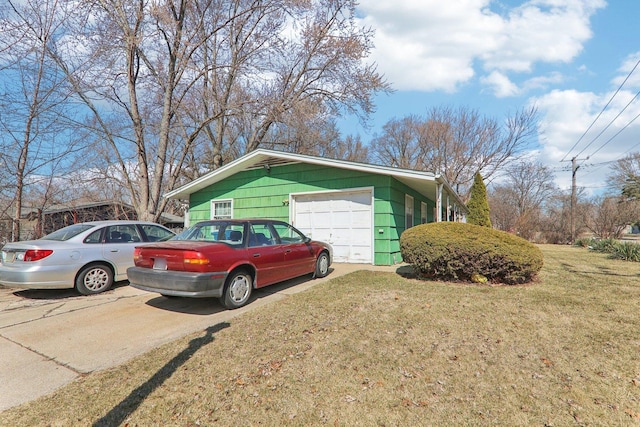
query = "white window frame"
{"x": 221, "y": 201}
{"x": 409, "y": 205}
{"x": 423, "y": 213}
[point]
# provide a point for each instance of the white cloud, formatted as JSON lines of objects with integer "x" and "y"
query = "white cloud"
{"x": 542, "y": 30}
{"x": 630, "y": 64}
{"x": 542, "y": 82}
{"x": 577, "y": 124}
{"x": 434, "y": 45}
{"x": 500, "y": 84}
{"x": 502, "y": 87}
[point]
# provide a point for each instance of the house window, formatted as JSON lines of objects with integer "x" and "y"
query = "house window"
{"x": 423, "y": 213}
{"x": 408, "y": 211}
{"x": 221, "y": 209}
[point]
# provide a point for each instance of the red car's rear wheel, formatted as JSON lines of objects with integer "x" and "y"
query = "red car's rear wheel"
{"x": 237, "y": 290}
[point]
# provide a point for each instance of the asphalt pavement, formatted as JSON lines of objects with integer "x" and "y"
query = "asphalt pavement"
{"x": 49, "y": 338}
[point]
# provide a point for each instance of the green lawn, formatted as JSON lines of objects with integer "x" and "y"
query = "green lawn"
{"x": 381, "y": 349}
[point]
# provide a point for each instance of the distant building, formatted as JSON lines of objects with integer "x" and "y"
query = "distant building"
{"x": 37, "y": 222}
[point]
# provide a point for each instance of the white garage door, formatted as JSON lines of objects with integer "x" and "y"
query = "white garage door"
{"x": 342, "y": 219}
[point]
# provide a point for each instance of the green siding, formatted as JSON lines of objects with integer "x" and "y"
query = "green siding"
{"x": 259, "y": 193}
{"x": 395, "y": 216}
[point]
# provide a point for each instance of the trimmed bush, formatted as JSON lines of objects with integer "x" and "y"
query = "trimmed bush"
{"x": 467, "y": 252}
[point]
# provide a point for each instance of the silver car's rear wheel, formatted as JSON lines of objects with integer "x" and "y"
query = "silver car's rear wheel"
{"x": 237, "y": 290}
{"x": 94, "y": 278}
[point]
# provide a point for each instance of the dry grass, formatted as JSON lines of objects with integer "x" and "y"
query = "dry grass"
{"x": 379, "y": 349}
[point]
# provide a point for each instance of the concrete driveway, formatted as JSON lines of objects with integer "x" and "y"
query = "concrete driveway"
{"x": 50, "y": 338}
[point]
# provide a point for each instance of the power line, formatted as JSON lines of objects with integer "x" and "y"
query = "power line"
{"x": 617, "y": 133}
{"x": 607, "y": 127}
{"x": 601, "y": 164}
{"x": 601, "y": 112}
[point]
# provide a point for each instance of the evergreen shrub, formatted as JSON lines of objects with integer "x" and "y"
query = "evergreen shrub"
{"x": 467, "y": 252}
{"x": 478, "y": 205}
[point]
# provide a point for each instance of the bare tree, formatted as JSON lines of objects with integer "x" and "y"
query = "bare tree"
{"x": 132, "y": 82}
{"x": 519, "y": 201}
{"x": 280, "y": 66}
{"x": 456, "y": 143}
{"x": 351, "y": 149}
{"x": 305, "y": 129}
{"x": 35, "y": 113}
{"x": 159, "y": 82}
{"x": 399, "y": 145}
{"x": 608, "y": 217}
{"x": 625, "y": 177}
{"x": 555, "y": 224}
{"x": 502, "y": 203}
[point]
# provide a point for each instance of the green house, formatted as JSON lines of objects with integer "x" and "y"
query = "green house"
{"x": 360, "y": 209}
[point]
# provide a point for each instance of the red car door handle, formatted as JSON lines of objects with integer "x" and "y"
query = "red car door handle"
{"x": 287, "y": 251}
{"x": 256, "y": 255}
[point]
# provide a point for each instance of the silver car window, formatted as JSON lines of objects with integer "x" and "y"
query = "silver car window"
{"x": 95, "y": 237}
{"x": 68, "y": 232}
{"x": 126, "y": 233}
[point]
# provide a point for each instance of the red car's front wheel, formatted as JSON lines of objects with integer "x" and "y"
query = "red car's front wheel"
{"x": 322, "y": 265}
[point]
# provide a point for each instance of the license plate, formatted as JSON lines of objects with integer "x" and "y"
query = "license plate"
{"x": 8, "y": 257}
{"x": 160, "y": 264}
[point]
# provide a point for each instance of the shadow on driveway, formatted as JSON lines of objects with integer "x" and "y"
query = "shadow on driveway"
{"x": 59, "y": 294}
{"x": 198, "y": 306}
{"x": 207, "y": 306}
{"x": 121, "y": 411}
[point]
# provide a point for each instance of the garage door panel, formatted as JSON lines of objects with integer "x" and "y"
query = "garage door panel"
{"x": 361, "y": 221}
{"x": 359, "y": 254}
{"x": 342, "y": 219}
{"x": 303, "y": 221}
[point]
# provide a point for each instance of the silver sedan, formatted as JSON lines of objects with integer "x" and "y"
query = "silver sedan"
{"x": 88, "y": 256}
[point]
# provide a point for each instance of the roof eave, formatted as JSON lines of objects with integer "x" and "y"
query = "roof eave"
{"x": 262, "y": 155}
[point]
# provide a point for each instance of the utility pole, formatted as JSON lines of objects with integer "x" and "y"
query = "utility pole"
{"x": 574, "y": 201}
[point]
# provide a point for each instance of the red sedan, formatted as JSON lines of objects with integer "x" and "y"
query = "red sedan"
{"x": 226, "y": 259}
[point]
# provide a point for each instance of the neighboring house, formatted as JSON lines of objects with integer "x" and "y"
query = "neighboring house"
{"x": 360, "y": 209}
{"x": 38, "y": 222}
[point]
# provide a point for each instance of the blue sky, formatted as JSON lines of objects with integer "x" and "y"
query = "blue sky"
{"x": 567, "y": 57}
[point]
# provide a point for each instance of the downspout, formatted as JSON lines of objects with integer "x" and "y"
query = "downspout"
{"x": 187, "y": 222}
{"x": 439, "y": 188}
